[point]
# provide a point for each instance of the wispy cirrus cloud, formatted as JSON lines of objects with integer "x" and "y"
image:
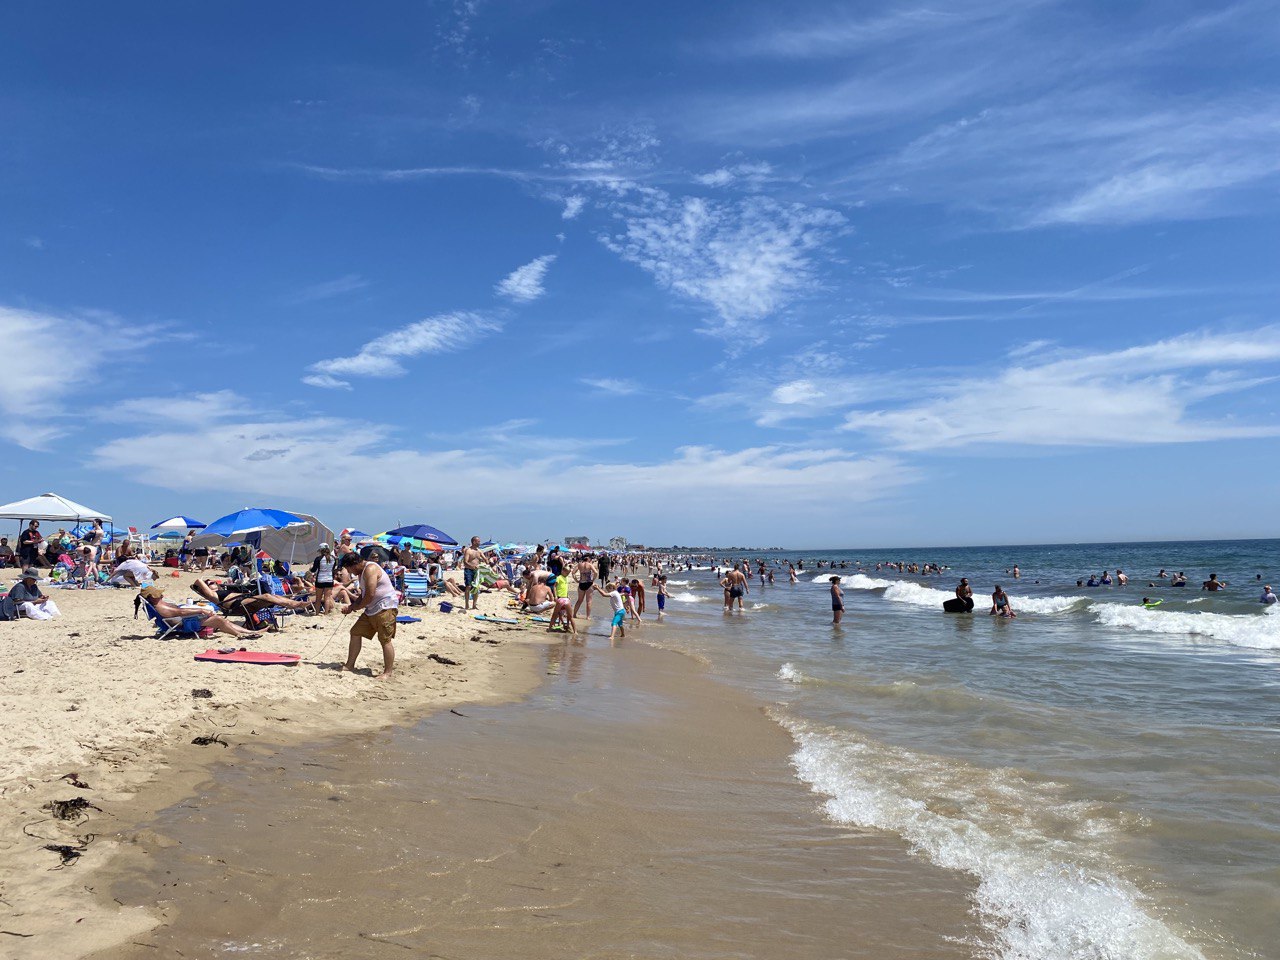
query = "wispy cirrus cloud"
{"x": 744, "y": 259}
{"x": 1135, "y": 396}
{"x": 382, "y": 356}
{"x": 1091, "y": 157}
{"x": 32, "y": 410}
{"x": 612, "y": 386}
{"x": 524, "y": 284}
{"x": 328, "y": 289}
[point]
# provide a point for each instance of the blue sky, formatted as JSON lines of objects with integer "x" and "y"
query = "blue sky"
{"x": 809, "y": 274}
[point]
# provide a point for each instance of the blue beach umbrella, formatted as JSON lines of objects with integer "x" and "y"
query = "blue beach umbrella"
{"x": 170, "y": 535}
{"x": 359, "y": 535}
{"x": 179, "y": 522}
{"x": 422, "y": 531}
{"x": 252, "y": 519}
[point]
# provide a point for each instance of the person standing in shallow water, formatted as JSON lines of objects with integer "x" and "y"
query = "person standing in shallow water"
{"x": 837, "y": 601}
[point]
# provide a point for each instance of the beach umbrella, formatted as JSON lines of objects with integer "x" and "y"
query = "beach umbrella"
{"x": 357, "y": 534}
{"x": 170, "y": 535}
{"x": 252, "y": 519}
{"x": 422, "y": 531}
{"x": 179, "y": 522}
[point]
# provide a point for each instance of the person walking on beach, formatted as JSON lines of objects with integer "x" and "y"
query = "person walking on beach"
{"x": 472, "y": 558}
{"x": 837, "y": 601}
{"x": 378, "y": 606}
{"x": 1000, "y": 603}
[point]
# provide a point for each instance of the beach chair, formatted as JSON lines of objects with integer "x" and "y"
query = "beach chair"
{"x": 185, "y": 627}
{"x": 276, "y": 586}
{"x": 417, "y": 589}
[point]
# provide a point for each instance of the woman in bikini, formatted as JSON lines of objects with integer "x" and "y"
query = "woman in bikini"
{"x": 586, "y": 573}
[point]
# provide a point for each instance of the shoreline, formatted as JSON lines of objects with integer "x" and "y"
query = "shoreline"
{"x": 85, "y": 697}
{"x": 630, "y": 799}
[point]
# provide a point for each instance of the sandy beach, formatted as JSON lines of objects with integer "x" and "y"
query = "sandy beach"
{"x": 93, "y": 697}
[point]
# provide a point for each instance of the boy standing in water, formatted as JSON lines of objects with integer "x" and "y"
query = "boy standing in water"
{"x": 662, "y": 594}
{"x": 837, "y": 601}
{"x": 616, "y": 628}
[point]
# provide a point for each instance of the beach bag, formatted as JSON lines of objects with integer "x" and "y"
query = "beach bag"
{"x": 261, "y": 620}
{"x": 446, "y": 606}
{"x": 8, "y": 609}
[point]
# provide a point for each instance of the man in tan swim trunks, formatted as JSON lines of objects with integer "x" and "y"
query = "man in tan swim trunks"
{"x": 378, "y": 606}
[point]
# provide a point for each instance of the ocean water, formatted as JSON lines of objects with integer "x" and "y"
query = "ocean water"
{"x": 1108, "y": 774}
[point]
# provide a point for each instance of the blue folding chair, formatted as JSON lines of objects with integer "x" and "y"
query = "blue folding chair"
{"x": 417, "y": 586}
{"x": 185, "y": 627}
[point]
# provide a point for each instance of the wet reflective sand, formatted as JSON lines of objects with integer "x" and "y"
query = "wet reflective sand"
{"x": 631, "y": 808}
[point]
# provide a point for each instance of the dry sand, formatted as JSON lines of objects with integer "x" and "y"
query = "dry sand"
{"x": 94, "y": 694}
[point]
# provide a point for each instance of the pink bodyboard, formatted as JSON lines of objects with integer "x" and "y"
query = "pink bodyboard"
{"x": 250, "y": 656}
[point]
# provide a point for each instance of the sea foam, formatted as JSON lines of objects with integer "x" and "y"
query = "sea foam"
{"x": 1040, "y": 896}
{"x": 1260, "y": 631}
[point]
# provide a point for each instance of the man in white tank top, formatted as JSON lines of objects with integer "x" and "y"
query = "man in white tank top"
{"x": 378, "y": 606}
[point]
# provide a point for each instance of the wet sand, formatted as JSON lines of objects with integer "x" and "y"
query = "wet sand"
{"x": 630, "y": 807}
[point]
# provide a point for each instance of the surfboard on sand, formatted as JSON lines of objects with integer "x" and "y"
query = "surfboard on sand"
{"x": 485, "y": 618}
{"x": 251, "y": 656}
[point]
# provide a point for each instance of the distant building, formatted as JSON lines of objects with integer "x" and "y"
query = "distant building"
{"x": 635, "y": 547}
{"x": 572, "y": 542}
{"x": 617, "y": 543}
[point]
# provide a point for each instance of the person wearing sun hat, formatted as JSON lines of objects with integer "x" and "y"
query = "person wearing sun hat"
{"x": 170, "y": 612}
{"x": 29, "y": 601}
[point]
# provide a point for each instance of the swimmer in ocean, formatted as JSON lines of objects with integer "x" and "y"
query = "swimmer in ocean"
{"x": 1000, "y": 604}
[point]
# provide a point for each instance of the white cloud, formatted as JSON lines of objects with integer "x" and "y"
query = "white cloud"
{"x": 745, "y": 259}
{"x": 847, "y": 35}
{"x": 618, "y": 388}
{"x": 34, "y": 393}
{"x": 329, "y": 289}
{"x": 1140, "y": 395}
{"x": 193, "y": 409}
{"x": 443, "y": 333}
{"x": 326, "y": 382}
{"x": 35, "y": 243}
{"x": 573, "y": 206}
{"x": 751, "y": 174}
{"x": 314, "y": 460}
{"x": 1097, "y": 156}
{"x": 524, "y": 284}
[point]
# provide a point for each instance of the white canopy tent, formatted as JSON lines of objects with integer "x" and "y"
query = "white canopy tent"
{"x": 50, "y": 506}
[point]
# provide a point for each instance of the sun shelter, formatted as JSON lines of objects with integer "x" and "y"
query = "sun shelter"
{"x": 50, "y": 506}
